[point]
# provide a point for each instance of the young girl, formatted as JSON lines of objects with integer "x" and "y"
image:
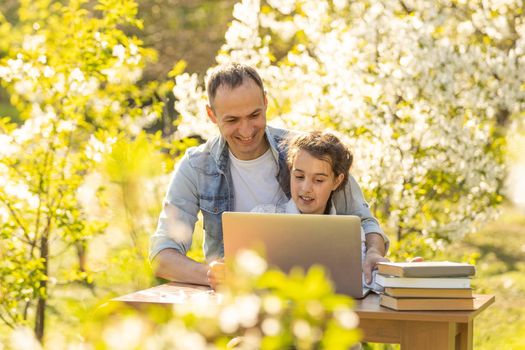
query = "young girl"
{"x": 319, "y": 166}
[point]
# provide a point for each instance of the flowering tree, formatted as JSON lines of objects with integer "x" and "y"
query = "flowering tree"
{"x": 72, "y": 75}
{"x": 419, "y": 89}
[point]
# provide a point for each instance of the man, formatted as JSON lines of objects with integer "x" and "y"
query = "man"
{"x": 243, "y": 167}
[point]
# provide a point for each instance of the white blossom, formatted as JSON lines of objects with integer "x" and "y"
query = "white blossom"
{"x": 248, "y": 306}
{"x": 96, "y": 148}
{"x": 229, "y": 319}
{"x": 66, "y": 125}
{"x": 132, "y": 327}
{"x": 39, "y": 124}
{"x": 272, "y": 304}
{"x": 420, "y": 90}
{"x": 76, "y": 75}
{"x": 133, "y": 49}
{"x": 24, "y": 87}
{"x": 21, "y": 192}
{"x": 60, "y": 83}
{"x": 4, "y": 214}
{"x": 191, "y": 104}
{"x": 301, "y": 329}
{"x": 119, "y": 51}
{"x": 33, "y": 42}
{"x": 7, "y": 146}
{"x": 284, "y": 6}
{"x": 250, "y": 262}
{"x": 346, "y": 318}
{"x": 271, "y": 326}
{"x": 48, "y": 72}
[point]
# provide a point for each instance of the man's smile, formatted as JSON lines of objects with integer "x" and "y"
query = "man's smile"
{"x": 245, "y": 139}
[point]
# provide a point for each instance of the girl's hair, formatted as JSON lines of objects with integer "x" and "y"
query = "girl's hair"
{"x": 324, "y": 146}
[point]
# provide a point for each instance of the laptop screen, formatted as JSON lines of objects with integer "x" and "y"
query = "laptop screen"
{"x": 288, "y": 240}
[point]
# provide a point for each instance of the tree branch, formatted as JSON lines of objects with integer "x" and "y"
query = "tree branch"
{"x": 5, "y": 320}
{"x": 14, "y": 214}
{"x": 405, "y": 7}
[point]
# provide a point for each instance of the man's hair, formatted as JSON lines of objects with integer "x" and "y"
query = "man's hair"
{"x": 324, "y": 146}
{"x": 231, "y": 75}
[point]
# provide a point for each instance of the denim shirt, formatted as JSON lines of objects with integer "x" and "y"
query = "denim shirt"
{"x": 202, "y": 182}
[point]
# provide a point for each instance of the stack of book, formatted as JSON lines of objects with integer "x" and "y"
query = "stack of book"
{"x": 432, "y": 285}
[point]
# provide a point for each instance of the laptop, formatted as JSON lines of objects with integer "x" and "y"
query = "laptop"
{"x": 288, "y": 240}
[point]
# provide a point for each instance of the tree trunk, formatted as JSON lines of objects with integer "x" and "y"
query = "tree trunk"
{"x": 81, "y": 254}
{"x": 41, "y": 306}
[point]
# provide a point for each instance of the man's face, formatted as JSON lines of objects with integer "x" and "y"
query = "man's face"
{"x": 240, "y": 114}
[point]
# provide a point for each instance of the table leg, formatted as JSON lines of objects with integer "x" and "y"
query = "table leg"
{"x": 465, "y": 336}
{"x": 416, "y": 335}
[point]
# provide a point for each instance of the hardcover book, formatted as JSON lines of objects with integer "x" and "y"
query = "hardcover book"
{"x": 420, "y": 282}
{"x": 406, "y": 304}
{"x": 426, "y": 269}
{"x": 428, "y": 293}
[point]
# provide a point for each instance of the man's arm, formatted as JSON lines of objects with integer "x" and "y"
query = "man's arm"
{"x": 351, "y": 201}
{"x": 173, "y": 236}
{"x": 173, "y": 266}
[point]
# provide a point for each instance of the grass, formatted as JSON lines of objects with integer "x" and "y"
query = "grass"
{"x": 500, "y": 270}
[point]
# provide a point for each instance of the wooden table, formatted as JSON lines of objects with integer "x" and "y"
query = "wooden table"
{"x": 429, "y": 330}
{"x": 414, "y": 330}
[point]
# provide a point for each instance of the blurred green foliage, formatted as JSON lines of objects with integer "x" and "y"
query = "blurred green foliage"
{"x": 258, "y": 309}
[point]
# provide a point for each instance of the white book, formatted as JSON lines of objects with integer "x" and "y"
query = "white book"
{"x": 422, "y": 282}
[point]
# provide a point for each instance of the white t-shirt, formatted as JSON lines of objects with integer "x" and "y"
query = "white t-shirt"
{"x": 255, "y": 182}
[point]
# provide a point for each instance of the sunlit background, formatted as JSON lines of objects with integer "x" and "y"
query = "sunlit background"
{"x": 100, "y": 99}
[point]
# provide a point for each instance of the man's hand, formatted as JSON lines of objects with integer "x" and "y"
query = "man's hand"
{"x": 216, "y": 273}
{"x": 375, "y": 252}
{"x": 372, "y": 257}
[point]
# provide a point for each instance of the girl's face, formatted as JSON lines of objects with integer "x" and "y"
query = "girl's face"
{"x": 312, "y": 181}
